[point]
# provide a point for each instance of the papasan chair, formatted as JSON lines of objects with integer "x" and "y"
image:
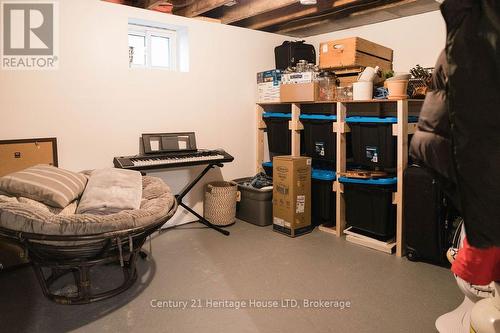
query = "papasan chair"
{"x": 59, "y": 241}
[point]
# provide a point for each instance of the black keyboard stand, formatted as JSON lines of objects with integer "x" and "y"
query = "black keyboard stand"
{"x": 188, "y": 188}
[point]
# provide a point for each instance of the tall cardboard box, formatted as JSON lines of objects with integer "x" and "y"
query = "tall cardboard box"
{"x": 292, "y": 195}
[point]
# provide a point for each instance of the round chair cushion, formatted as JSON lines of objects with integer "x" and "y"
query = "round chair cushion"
{"x": 25, "y": 215}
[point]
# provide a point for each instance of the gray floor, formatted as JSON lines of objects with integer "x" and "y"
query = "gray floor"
{"x": 387, "y": 294}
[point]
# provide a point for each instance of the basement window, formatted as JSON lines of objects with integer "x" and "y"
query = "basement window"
{"x": 152, "y": 48}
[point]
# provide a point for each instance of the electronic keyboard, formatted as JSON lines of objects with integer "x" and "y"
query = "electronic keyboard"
{"x": 174, "y": 150}
{"x": 172, "y": 159}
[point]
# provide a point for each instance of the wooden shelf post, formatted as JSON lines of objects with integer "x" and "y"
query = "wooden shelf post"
{"x": 402, "y": 157}
{"x": 340, "y": 127}
{"x": 295, "y": 126}
{"x": 261, "y": 126}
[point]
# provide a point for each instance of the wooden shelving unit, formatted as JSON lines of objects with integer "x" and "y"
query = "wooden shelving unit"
{"x": 401, "y": 130}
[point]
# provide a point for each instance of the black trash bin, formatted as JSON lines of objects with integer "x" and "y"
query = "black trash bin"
{"x": 319, "y": 140}
{"x": 369, "y": 208}
{"x": 323, "y": 211}
{"x": 279, "y": 137}
{"x": 373, "y": 145}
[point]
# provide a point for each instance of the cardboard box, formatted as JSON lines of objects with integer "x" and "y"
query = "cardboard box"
{"x": 268, "y": 86}
{"x": 268, "y": 92}
{"x": 347, "y": 80}
{"x": 304, "y": 77}
{"x": 299, "y": 92}
{"x": 292, "y": 195}
{"x": 354, "y": 52}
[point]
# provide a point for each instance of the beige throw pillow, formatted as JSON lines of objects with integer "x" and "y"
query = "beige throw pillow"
{"x": 53, "y": 186}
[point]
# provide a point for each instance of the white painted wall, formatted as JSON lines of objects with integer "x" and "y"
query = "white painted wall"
{"x": 415, "y": 39}
{"x": 97, "y": 107}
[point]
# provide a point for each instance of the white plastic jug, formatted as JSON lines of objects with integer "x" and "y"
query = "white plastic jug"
{"x": 369, "y": 74}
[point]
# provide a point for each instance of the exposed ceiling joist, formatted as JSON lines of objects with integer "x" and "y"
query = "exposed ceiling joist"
{"x": 329, "y": 23}
{"x": 352, "y": 9}
{"x": 248, "y": 8}
{"x": 192, "y": 8}
{"x": 292, "y": 18}
{"x": 150, "y": 4}
{"x": 294, "y": 12}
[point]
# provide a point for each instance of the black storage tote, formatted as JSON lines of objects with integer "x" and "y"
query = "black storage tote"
{"x": 373, "y": 145}
{"x": 369, "y": 208}
{"x": 323, "y": 209}
{"x": 319, "y": 140}
{"x": 289, "y": 53}
{"x": 279, "y": 137}
{"x": 319, "y": 108}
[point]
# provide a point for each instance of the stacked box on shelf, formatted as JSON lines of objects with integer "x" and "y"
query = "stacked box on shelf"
{"x": 323, "y": 198}
{"x": 354, "y": 52}
{"x": 278, "y": 134}
{"x": 268, "y": 86}
{"x": 373, "y": 143}
{"x": 369, "y": 208}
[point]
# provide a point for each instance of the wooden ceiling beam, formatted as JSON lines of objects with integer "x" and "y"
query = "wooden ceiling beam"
{"x": 388, "y": 10}
{"x": 150, "y": 4}
{"x": 192, "y": 8}
{"x": 248, "y": 8}
{"x": 294, "y": 12}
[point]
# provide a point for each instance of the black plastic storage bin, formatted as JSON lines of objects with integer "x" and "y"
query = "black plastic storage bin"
{"x": 373, "y": 145}
{"x": 369, "y": 208}
{"x": 256, "y": 205}
{"x": 382, "y": 109}
{"x": 319, "y": 140}
{"x": 279, "y": 137}
{"x": 318, "y": 108}
{"x": 323, "y": 211}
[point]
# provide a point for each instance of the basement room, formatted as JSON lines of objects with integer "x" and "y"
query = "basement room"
{"x": 250, "y": 166}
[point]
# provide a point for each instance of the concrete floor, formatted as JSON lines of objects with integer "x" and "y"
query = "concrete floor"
{"x": 387, "y": 294}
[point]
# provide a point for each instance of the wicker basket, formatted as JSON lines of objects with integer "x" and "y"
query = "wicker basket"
{"x": 219, "y": 207}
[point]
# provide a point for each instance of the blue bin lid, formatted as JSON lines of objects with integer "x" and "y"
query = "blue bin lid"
{"x": 379, "y": 181}
{"x": 323, "y": 174}
{"x": 276, "y": 115}
{"x": 390, "y": 120}
{"x": 318, "y": 117}
{"x": 320, "y": 174}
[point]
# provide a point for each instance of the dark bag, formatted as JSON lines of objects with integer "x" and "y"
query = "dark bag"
{"x": 289, "y": 53}
{"x": 430, "y": 220}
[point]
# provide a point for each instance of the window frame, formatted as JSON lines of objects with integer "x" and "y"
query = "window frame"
{"x": 147, "y": 32}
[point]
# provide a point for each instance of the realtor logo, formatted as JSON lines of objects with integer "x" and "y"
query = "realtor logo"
{"x": 29, "y": 35}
